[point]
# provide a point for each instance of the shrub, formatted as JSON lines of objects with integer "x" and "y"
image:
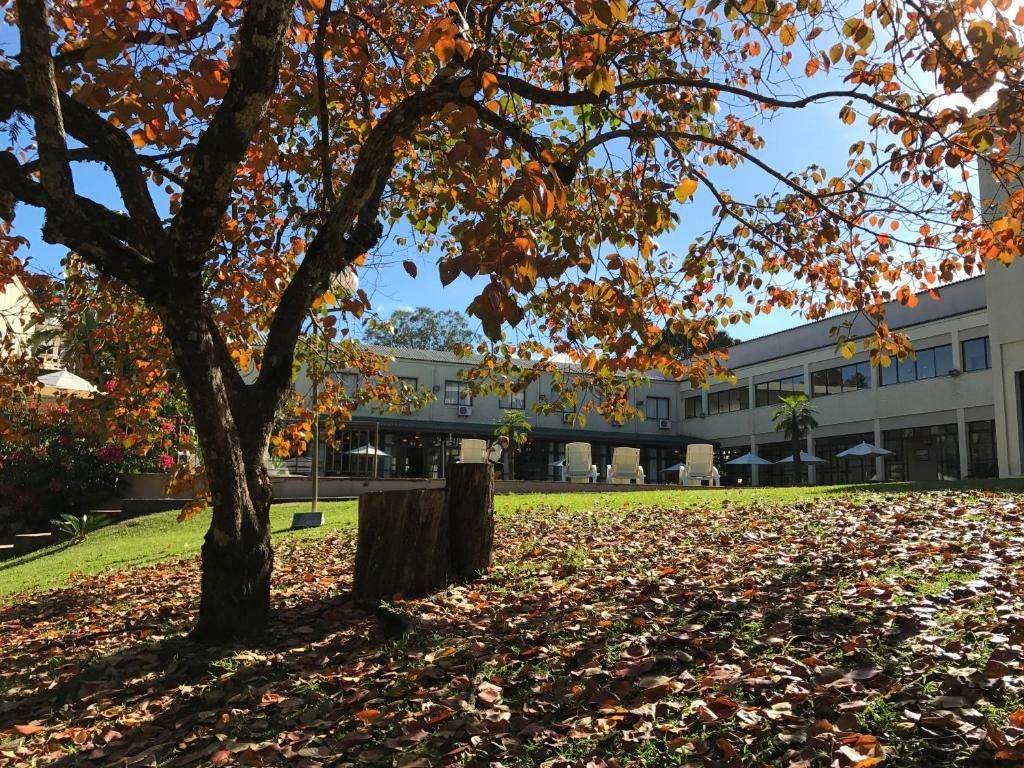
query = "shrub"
{"x": 77, "y": 528}
{"x": 59, "y": 472}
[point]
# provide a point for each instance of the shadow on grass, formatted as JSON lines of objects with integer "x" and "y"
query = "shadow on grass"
{"x": 33, "y": 556}
{"x": 166, "y": 669}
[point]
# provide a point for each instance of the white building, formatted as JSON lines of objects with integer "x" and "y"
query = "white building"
{"x": 937, "y": 412}
{"x": 20, "y": 320}
{"x": 953, "y": 412}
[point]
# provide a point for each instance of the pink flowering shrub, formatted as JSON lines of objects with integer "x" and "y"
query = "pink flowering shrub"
{"x": 63, "y": 473}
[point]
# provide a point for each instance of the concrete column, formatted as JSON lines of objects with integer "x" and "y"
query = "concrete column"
{"x": 961, "y": 438}
{"x": 812, "y": 469}
{"x": 958, "y": 361}
{"x": 1003, "y": 432}
{"x": 879, "y": 460}
{"x": 754, "y": 479}
{"x": 808, "y": 390}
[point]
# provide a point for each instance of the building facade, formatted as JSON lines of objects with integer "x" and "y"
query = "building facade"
{"x": 424, "y": 442}
{"x": 21, "y": 326}
{"x": 952, "y": 412}
{"x": 1004, "y": 286}
{"x": 935, "y": 412}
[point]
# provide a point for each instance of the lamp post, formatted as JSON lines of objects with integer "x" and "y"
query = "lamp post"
{"x": 345, "y": 283}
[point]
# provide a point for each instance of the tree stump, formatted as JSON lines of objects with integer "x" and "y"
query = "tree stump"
{"x": 402, "y": 545}
{"x": 470, "y": 519}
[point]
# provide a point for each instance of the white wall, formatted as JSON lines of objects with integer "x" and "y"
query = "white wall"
{"x": 1005, "y": 291}
{"x": 969, "y": 390}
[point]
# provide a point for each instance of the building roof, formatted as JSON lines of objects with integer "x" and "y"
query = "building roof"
{"x": 427, "y": 355}
{"x": 957, "y": 298}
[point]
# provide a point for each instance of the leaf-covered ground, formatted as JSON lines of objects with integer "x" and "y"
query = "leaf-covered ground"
{"x": 842, "y": 632}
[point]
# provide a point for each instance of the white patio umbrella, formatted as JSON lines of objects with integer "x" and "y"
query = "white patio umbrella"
{"x": 64, "y": 382}
{"x": 368, "y": 450}
{"x": 749, "y": 459}
{"x": 863, "y": 450}
{"x": 806, "y": 458}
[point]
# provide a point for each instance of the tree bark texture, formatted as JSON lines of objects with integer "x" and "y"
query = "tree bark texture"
{"x": 237, "y": 558}
{"x": 235, "y": 598}
{"x": 470, "y": 519}
{"x": 402, "y": 545}
{"x": 798, "y": 464}
{"x": 415, "y": 542}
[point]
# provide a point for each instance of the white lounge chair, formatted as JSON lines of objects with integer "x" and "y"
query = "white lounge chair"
{"x": 700, "y": 465}
{"x": 625, "y": 467}
{"x": 578, "y": 466}
{"x": 472, "y": 451}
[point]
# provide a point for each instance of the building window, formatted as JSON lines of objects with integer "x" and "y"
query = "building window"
{"x": 842, "y": 378}
{"x": 457, "y": 393}
{"x": 977, "y": 354}
{"x": 513, "y": 401}
{"x": 771, "y": 392}
{"x": 347, "y": 381}
{"x": 929, "y": 364}
{"x": 922, "y": 453}
{"x": 691, "y": 407}
{"x": 728, "y": 400}
{"x": 407, "y": 383}
{"x": 981, "y": 448}
{"x": 656, "y": 407}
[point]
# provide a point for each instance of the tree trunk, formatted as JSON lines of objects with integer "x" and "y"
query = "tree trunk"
{"x": 235, "y": 598}
{"x": 470, "y": 518}
{"x": 402, "y": 544}
{"x": 798, "y": 465}
{"x": 234, "y": 431}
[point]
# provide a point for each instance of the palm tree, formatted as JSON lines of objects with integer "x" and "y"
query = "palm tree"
{"x": 795, "y": 417}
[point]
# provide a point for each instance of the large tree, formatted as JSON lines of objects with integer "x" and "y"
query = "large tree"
{"x": 242, "y": 153}
{"x": 422, "y": 328}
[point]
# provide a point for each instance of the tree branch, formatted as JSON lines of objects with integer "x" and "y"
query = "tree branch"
{"x": 75, "y": 56}
{"x": 218, "y": 153}
{"x": 323, "y": 117}
{"x": 90, "y": 155}
{"x": 537, "y": 94}
{"x": 351, "y": 228}
{"x": 111, "y": 145}
{"x": 43, "y": 102}
{"x": 100, "y": 235}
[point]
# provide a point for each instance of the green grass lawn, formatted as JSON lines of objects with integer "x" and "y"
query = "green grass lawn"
{"x": 160, "y": 537}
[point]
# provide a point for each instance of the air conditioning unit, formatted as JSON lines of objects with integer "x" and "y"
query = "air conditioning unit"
{"x": 664, "y": 424}
{"x": 568, "y": 418}
{"x": 465, "y": 410}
